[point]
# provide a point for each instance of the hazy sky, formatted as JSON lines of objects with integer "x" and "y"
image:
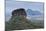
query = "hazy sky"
{"x": 12, "y": 4}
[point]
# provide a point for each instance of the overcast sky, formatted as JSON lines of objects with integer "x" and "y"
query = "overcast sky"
{"x": 12, "y": 4}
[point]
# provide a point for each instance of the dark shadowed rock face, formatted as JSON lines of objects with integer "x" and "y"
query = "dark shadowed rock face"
{"x": 19, "y": 12}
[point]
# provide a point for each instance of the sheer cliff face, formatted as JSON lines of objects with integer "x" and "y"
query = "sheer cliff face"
{"x": 19, "y": 12}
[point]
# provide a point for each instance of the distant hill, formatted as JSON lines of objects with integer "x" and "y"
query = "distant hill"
{"x": 31, "y": 12}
